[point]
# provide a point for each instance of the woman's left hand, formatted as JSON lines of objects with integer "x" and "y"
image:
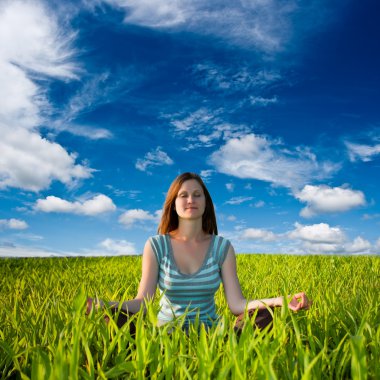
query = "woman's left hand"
{"x": 299, "y": 301}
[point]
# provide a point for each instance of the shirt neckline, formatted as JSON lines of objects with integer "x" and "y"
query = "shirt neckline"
{"x": 209, "y": 249}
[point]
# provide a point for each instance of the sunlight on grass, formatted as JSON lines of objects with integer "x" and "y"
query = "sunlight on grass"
{"x": 44, "y": 333}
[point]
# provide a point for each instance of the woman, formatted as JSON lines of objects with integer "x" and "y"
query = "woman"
{"x": 188, "y": 261}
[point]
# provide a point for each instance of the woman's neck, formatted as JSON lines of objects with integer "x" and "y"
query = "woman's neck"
{"x": 188, "y": 230}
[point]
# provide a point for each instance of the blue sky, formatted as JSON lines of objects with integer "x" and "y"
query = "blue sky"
{"x": 273, "y": 103}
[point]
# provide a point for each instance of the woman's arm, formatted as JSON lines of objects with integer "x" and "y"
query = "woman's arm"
{"x": 235, "y": 299}
{"x": 148, "y": 282}
{"x": 147, "y": 286}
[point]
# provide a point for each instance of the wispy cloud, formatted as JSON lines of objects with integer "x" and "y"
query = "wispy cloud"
{"x": 266, "y": 24}
{"x": 95, "y": 90}
{"x": 99, "y": 204}
{"x": 153, "y": 14}
{"x": 238, "y": 200}
{"x": 193, "y": 120}
{"x": 203, "y": 127}
{"x": 130, "y": 194}
{"x": 155, "y": 157}
{"x": 13, "y": 224}
{"x": 257, "y": 157}
{"x": 362, "y": 152}
{"x": 92, "y": 133}
{"x": 260, "y": 101}
{"x": 371, "y": 216}
{"x": 93, "y": 93}
{"x": 233, "y": 78}
{"x": 325, "y": 199}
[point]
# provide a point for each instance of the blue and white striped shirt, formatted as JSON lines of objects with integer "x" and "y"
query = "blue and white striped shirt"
{"x": 188, "y": 293}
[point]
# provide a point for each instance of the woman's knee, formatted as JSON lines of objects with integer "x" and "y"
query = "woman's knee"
{"x": 262, "y": 318}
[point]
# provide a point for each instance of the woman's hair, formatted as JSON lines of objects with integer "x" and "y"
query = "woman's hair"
{"x": 169, "y": 219}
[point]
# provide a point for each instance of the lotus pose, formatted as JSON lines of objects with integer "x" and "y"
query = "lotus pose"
{"x": 188, "y": 260}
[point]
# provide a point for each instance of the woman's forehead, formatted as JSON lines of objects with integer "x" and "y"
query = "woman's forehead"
{"x": 191, "y": 185}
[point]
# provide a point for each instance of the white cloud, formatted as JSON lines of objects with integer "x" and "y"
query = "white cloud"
{"x": 259, "y": 204}
{"x": 377, "y": 246}
{"x": 206, "y": 174}
{"x": 320, "y": 233}
{"x": 258, "y": 234}
{"x": 256, "y": 157}
{"x": 362, "y": 152}
{"x": 10, "y": 250}
{"x": 31, "y": 38}
{"x": 97, "y": 205}
{"x": 325, "y": 199}
{"x": 108, "y": 247}
{"x": 31, "y": 162}
{"x": 230, "y": 186}
{"x": 20, "y": 97}
{"x": 238, "y": 200}
{"x": 359, "y": 245}
{"x": 323, "y": 239}
{"x": 13, "y": 224}
{"x": 322, "y": 248}
{"x": 32, "y": 45}
{"x": 156, "y": 157}
{"x": 118, "y": 247}
{"x": 131, "y": 218}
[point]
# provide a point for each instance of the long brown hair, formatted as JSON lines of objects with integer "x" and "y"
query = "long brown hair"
{"x": 169, "y": 219}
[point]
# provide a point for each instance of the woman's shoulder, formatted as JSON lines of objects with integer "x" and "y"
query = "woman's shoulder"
{"x": 221, "y": 248}
{"x": 160, "y": 238}
{"x": 222, "y": 239}
{"x": 156, "y": 236}
{"x": 159, "y": 244}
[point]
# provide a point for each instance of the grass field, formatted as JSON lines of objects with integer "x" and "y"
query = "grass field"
{"x": 44, "y": 333}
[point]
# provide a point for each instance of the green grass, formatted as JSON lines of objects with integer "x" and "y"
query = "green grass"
{"x": 44, "y": 333}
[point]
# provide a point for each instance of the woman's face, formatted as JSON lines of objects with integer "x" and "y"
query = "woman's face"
{"x": 191, "y": 201}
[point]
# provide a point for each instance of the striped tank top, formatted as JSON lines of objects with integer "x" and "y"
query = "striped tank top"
{"x": 194, "y": 293}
